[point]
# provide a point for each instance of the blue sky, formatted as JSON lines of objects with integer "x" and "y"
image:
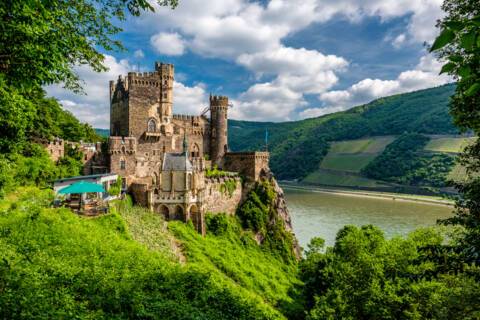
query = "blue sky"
{"x": 277, "y": 60}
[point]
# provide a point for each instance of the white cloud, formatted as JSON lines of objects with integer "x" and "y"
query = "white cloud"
{"x": 251, "y": 34}
{"x": 298, "y": 72}
{"x": 317, "y": 112}
{"x": 139, "y": 54}
{"x": 170, "y": 44}
{"x": 425, "y": 75}
{"x": 189, "y": 100}
{"x": 399, "y": 40}
{"x": 230, "y": 28}
{"x": 267, "y": 101}
{"x": 93, "y": 107}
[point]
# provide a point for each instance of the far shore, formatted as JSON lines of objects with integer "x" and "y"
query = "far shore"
{"x": 372, "y": 194}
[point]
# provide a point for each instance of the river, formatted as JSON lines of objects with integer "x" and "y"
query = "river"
{"x": 319, "y": 214}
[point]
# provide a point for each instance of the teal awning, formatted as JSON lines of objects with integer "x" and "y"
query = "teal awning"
{"x": 82, "y": 187}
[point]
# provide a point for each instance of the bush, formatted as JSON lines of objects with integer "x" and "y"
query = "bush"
{"x": 92, "y": 269}
{"x": 365, "y": 276}
{"x": 217, "y": 224}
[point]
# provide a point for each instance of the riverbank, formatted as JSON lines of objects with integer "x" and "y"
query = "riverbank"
{"x": 372, "y": 194}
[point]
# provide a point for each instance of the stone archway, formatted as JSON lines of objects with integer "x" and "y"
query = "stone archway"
{"x": 164, "y": 211}
{"x": 179, "y": 213}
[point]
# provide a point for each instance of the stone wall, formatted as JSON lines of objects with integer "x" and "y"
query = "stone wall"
{"x": 249, "y": 164}
{"x": 56, "y": 149}
{"x": 217, "y": 199}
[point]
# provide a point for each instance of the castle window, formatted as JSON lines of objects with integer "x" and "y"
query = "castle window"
{"x": 151, "y": 125}
{"x": 165, "y": 95}
{"x": 122, "y": 164}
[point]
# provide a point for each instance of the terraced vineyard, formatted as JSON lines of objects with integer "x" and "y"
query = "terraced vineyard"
{"x": 342, "y": 165}
{"x": 448, "y": 144}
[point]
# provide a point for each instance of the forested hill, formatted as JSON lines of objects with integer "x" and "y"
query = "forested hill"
{"x": 298, "y": 147}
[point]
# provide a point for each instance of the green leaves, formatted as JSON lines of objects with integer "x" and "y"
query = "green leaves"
{"x": 468, "y": 40}
{"x": 445, "y": 37}
{"x": 474, "y": 89}
{"x": 449, "y": 67}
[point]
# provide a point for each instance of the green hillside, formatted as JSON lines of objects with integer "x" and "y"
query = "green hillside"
{"x": 433, "y": 156}
{"x": 297, "y": 148}
{"x": 129, "y": 264}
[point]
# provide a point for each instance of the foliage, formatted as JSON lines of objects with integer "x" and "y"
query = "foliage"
{"x": 51, "y": 121}
{"x": 116, "y": 187}
{"x": 459, "y": 46}
{"x": 92, "y": 269}
{"x": 229, "y": 187}
{"x": 33, "y": 167}
{"x": 216, "y": 173}
{"x": 232, "y": 257}
{"x": 297, "y": 148}
{"x": 365, "y": 276}
{"x": 41, "y": 41}
{"x": 27, "y": 117}
{"x": 217, "y": 224}
{"x": 257, "y": 213}
{"x": 403, "y": 162}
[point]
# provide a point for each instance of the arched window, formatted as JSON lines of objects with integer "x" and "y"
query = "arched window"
{"x": 122, "y": 164}
{"x": 152, "y": 125}
{"x": 195, "y": 153}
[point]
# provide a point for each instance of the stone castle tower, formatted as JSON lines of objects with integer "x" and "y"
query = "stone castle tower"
{"x": 219, "y": 133}
{"x": 143, "y": 126}
{"x": 162, "y": 157}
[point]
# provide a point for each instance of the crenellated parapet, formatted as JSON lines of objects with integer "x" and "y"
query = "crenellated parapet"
{"x": 219, "y": 101}
{"x": 122, "y": 145}
{"x": 249, "y": 164}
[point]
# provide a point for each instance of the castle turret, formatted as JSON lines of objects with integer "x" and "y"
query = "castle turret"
{"x": 166, "y": 73}
{"x": 219, "y": 125}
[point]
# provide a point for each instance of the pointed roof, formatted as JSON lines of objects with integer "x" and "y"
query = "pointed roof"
{"x": 176, "y": 162}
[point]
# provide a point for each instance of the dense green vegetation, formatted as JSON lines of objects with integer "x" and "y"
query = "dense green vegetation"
{"x": 257, "y": 213}
{"x": 55, "y": 264}
{"x": 365, "y": 276}
{"x": 231, "y": 255}
{"x": 404, "y": 162}
{"x": 297, "y": 148}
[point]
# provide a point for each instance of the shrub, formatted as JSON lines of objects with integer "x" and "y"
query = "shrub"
{"x": 217, "y": 224}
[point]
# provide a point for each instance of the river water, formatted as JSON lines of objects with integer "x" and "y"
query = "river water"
{"x": 318, "y": 214}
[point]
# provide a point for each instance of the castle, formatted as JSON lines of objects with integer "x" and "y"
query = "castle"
{"x": 165, "y": 159}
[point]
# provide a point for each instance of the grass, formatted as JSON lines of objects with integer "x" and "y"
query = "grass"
{"x": 55, "y": 264}
{"x": 448, "y": 144}
{"x": 149, "y": 229}
{"x": 341, "y": 179}
{"x": 235, "y": 257}
{"x": 345, "y": 158}
{"x": 346, "y": 162}
{"x": 367, "y": 145}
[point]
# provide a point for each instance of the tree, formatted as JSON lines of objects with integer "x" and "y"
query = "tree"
{"x": 459, "y": 45}
{"x": 41, "y": 40}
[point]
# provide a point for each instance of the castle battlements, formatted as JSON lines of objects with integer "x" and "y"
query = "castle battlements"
{"x": 262, "y": 155}
{"x": 118, "y": 145}
{"x": 185, "y": 117}
{"x": 144, "y": 130}
{"x": 218, "y": 101}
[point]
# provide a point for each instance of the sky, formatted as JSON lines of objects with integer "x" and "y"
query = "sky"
{"x": 277, "y": 60}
